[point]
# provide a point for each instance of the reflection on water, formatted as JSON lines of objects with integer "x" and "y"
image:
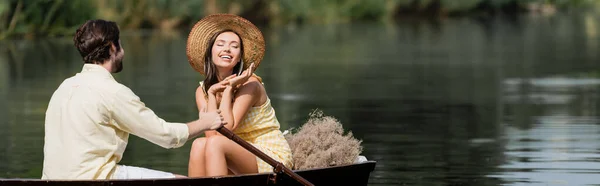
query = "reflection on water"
{"x": 554, "y": 140}
{"x": 458, "y": 102}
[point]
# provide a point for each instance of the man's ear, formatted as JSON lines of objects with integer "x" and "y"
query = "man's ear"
{"x": 113, "y": 48}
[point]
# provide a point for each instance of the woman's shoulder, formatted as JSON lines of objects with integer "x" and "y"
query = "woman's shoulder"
{"x": 200, "y": 92}
{"x": 200, "y": 85}
{"x": 254, "y": 79}
{"x": 252, "y": 86}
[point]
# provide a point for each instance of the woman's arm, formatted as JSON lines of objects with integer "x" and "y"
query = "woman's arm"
{"x": 235, "y": 109}
{"x": 211, "y": 104}
{"x": 203, "y": 107}
{"x": 200, "y": 100}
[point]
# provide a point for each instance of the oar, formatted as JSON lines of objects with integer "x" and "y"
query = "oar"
{"x": 278, "y": 166}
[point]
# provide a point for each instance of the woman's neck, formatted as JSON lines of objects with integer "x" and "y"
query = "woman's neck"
{"x": 224, "y": 74}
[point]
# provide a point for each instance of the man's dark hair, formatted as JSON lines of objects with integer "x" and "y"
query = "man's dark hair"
{"x": 94, "y": 38}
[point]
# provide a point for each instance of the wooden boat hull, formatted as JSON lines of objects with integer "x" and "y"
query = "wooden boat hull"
{"x": 356, "y": 174}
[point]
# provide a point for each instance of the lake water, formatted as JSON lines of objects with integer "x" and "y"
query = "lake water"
{"x": 495, "y": 101}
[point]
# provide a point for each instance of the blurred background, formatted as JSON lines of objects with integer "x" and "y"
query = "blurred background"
{"x": 442, "y": 92}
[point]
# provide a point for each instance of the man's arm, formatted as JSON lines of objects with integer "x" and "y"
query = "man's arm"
{"x": 132, "y": 115}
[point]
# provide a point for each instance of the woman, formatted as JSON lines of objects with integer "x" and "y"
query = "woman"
{"x": 220, "y": 47}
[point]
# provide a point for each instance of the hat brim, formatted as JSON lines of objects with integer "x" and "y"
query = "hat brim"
{"x": 197, "y": 42}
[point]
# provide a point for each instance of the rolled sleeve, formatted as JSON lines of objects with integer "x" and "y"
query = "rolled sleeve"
{"x": 132, "y": 115}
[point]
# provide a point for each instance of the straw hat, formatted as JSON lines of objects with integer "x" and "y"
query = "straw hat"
{"x": 197, "y": 43}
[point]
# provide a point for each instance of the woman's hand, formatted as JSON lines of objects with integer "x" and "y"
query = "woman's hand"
{"x": 220, "y": 86}
{"x": 238, "y": 80}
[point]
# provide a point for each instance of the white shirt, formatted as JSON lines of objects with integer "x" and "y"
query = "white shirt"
{"x": 88, "y": 122}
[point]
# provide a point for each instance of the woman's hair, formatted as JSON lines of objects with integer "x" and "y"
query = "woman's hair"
{"x": 210, "y": 69}
{"x": 94, "y": 38}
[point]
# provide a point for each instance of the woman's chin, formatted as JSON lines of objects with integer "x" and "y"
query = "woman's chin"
{"x": 225, "y": 65}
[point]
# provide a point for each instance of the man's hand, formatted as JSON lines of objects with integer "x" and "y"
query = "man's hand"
{"x": 211, "y": 120}
{"x": 206, "y": 121}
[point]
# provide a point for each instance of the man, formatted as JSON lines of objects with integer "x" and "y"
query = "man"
{"x": 90, "y": 116}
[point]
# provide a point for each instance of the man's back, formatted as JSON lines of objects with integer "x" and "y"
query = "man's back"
{"x": 80, "y": 140}
{"x": 88, "y": 122}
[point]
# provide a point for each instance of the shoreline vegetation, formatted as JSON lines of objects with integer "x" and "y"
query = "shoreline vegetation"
{"x": 49, "y": 18}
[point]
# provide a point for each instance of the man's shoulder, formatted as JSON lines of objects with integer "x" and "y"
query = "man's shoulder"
{"x": 69, "y": 82}
{"x": 116, "y": 87}
{"x": 105, "y": 85}
{"x": 108, "y": 85}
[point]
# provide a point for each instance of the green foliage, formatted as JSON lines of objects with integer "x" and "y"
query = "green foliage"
{"x": 463, "y": 5}
{"x": 47, "y": 17}
{"x": 319, "y": 11}
{"x": 29, "y": 18}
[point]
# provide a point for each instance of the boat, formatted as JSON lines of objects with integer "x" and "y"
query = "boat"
{"x": 354, "y": 174}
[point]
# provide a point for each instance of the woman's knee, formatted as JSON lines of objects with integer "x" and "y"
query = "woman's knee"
{"x": 214, "y": 144}
{"x": 198, "y": 147}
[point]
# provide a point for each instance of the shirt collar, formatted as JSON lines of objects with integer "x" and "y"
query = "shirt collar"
{"x": 96, "y": 69}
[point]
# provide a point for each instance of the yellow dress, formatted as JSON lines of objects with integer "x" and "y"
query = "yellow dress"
{"x": 260, "y": 127}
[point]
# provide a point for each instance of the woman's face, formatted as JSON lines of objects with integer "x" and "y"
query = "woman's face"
{"x": 226, "y": 50}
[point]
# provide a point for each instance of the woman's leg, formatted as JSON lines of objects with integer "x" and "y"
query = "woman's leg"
{"x": 197, "y": 163}
{"x": 223, "y": 154}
